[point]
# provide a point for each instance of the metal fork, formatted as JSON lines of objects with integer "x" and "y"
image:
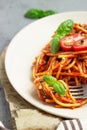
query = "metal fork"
{"x": 79, "y": 91}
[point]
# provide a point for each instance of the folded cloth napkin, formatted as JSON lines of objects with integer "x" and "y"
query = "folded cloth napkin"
{"x": 74, "y": 124}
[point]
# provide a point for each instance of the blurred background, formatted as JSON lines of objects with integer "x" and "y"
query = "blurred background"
{"x": 12, "y": 14}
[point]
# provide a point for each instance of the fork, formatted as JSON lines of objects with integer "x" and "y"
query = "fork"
{"x": 79, "y": 91}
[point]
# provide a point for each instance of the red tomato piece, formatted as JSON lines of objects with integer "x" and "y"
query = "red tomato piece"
{"x": 80, "y": 45}
{"x": 67, "y": 41}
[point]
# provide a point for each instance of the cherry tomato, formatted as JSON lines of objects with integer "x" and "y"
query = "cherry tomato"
{"x": 66, "y": 42}
{"x": 80, "y": 45}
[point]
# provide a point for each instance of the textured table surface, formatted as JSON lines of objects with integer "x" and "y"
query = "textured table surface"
{"x": 12, "y": 21}
{"x": 5, "y": 115}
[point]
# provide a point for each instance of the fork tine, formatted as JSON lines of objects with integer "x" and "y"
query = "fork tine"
{"x": 77, "y": 91}
{"x": 77, "y": 87}
{"x": 78, "y": 97}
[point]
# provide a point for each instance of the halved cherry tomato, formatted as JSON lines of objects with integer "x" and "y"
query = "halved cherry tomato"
{"x": 67, "y": 41}
{"x": 80, "y": 45}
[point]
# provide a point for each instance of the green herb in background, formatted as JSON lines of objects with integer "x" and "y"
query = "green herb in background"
{"x": 38, "y": 13}
{"x": 49, "y": 12}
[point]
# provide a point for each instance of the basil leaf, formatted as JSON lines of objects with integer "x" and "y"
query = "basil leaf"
{"x": 57, "y": 86}
{"x": 65, "y": 27}
{"x": 38, "y": 13}
{"x": 49, "y": 79}
{"x": 55, "y": 45}
{"x": 49, "y": 12}
{"x": 34, "y": 13}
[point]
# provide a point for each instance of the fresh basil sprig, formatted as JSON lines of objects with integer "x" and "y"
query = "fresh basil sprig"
{"x": 64, "y": 29}
{"x": 55, "y": 45}
{"x": 57, "y": 86}
{"x": 38, "y": 13}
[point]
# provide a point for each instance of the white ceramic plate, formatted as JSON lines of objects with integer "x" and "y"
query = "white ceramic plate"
{"x": 22, "y": 50}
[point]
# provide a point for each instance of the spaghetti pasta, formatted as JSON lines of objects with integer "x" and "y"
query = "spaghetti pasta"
{"x": 69, "y": 67}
